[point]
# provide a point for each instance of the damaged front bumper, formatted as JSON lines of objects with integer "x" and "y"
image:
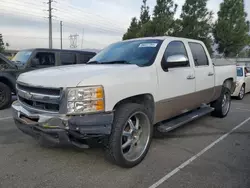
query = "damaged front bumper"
{"x": 61, "y": 129}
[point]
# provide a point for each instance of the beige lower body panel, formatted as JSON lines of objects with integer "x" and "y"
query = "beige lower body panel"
{"x": 172, "y": 107}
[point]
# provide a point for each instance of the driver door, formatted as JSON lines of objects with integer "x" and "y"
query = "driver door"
{"x": 176, "y": 85}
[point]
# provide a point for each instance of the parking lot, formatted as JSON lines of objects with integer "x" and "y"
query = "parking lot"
{"x": 209, "y": 152}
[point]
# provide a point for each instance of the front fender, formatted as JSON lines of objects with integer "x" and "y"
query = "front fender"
{"x": 124, "y": 84}
{"x": 8, "y": 79}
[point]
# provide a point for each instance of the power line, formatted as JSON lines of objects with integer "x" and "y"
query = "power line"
{"x": 103, "y": 24}
{"x": 81, "y": 10}
{"x": 71, "y": 16}
{"x": 80, "y": 17}
{"x": 21, "y": 11}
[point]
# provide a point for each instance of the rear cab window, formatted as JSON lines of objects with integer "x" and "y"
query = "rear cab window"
{"x": 85, "y": 57}
{"x": 199, "y": 54}
{"x": 68, "y": 58}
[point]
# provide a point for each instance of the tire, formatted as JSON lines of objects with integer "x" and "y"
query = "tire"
{"x": 221, "y": 107}
{"x": 5, "y": 96}
{"x": 141, "y": 137}
{"x": 241, "y": 93}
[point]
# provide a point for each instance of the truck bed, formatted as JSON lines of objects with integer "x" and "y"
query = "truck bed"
{"x": 223, "y": 62}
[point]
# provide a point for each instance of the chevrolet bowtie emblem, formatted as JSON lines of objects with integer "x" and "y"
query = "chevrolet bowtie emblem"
{"x": 28, "y": 95}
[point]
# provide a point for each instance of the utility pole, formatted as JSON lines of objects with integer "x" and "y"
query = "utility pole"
{"x": 50, "y": 23}
{"x": 61, "y": 33}
{"x": 82, "y": 38}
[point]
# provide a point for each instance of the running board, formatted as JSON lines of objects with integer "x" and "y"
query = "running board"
{"x": 176, "y": 122}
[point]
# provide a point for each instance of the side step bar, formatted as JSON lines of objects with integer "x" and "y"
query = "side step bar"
{"x": 176, "y": 122}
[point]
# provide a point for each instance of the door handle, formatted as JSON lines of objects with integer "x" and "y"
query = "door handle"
{"x": 210, "y": 74}
{"x": 190, "y": 77}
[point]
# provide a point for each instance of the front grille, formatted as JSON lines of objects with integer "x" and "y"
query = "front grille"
{"x": 45, "y": 91}
{"x": 41, "y": 99}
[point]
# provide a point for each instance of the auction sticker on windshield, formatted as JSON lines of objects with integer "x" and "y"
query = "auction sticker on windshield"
{"x": 148, "y": 45}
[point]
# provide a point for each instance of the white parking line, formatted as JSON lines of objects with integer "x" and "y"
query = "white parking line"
{"x": 240, "y": 104}
{"x": 5, "y": 118}
{"x": 173, "y": 172}
{"x": 243, "y": 109}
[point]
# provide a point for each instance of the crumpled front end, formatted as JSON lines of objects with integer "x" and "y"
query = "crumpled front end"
{"x": 60, "y": 129}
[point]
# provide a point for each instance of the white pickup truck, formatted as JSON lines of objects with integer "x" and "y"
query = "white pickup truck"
{"x": 122, "y": 94}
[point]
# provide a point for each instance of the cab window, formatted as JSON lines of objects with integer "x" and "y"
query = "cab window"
{"x": 45, "y": 59}
{"x": 68, "y": 58}
{"x": 199, "y": 54}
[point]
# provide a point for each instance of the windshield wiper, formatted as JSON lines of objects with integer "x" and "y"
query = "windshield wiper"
{"x": 109, "y": 62}
{"x": 93, "y": 62}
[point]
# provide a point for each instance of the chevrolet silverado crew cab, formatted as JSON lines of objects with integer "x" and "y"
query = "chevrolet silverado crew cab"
{"x": 31, "y": 59}
{"x": 122, "y": 94}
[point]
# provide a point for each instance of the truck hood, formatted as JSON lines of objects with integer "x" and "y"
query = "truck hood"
{"x": 6, "y": 61}
{"x": 70, "y": 76}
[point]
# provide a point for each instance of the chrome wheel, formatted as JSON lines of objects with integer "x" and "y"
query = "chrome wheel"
{"x": 242, "y": 92}
{"x": 135, "y": 136}
{"x": 225, "y": 103}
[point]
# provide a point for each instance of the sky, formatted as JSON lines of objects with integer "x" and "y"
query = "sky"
{"x": 98, "y": 23}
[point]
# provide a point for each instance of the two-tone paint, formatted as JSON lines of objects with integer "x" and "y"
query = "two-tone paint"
{"x": 172, "y": 93}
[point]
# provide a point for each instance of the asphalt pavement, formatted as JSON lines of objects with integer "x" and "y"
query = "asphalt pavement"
{"x": 207, "y": 153}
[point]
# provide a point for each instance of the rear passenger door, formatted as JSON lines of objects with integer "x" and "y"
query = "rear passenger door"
{"x": 67, "y": 58}
{"x": 204, "y": 72}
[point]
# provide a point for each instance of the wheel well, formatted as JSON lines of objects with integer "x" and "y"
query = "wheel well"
{"x": 144, "y": 99}
{"x": 228, "y": 83}
{"x": 8, "y": 83}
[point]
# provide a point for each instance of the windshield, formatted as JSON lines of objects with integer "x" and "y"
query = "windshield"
{"x": 22, "y": 56}
{"x": 239, "y": 71}
{"x": 139, "y": 52}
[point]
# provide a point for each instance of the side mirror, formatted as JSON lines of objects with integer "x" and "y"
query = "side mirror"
{"x": 34, "y": 62}
{"x": 176, "y": 61}
{"x": 247, "y": 74}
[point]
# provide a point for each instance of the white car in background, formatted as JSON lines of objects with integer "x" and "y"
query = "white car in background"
{"x": 243, "y": 82}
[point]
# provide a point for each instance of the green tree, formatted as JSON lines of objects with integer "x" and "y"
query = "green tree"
{"x": 245, "y": 53}
{"x": 162, "y": 21}
{"x": 7, "y": 45}
{"x": 163, "y": 18}
{"x": 1, "y": 43}
{"x": 137, "y": 27}
{"x": 231, "y": 29}
{"x": 144, "y": 16}
{"x": 195, "y": 22}
{"x": 145, "y": 21}
{"x": 132, "y": 30}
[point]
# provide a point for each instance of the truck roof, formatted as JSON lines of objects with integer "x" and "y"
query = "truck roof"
{"x": 164, "y": 38}
{"x": 66, "y": 50}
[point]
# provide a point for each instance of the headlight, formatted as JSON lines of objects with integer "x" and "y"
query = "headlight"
{"x": 85, "y": 99}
